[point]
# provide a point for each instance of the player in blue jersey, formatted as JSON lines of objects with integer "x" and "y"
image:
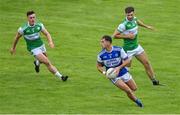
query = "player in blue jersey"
{"x": 115, "y": 57}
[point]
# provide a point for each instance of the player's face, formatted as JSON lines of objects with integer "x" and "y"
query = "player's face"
{"x": 130, "y": 16}
{"x": 104, "y": 43}
{"x": 32, "y": 19}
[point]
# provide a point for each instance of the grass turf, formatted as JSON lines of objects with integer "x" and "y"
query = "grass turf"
{"x": 76, "y": 27}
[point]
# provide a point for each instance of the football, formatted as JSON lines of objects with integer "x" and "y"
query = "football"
{"x": 111, "y": 73}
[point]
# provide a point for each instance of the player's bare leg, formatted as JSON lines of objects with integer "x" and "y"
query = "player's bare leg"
{"x": 123, "y": 86}
{"x": 144, "y": 60}
{"x": 45, "y": 54}
{"x": 132, "y": 85}
{"x": 43, "y": 59}
{"x": 129, "y": 64}
{"x": 149, "y": 70}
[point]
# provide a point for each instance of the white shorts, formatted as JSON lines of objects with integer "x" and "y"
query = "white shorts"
{"x": 135, "y": 52}
{"x": 126, "y": 77}
{"x": 38, "y": 50}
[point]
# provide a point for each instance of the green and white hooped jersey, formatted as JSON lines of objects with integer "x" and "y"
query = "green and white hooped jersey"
{"x": 31, "y": 34}
{"x": 127, "y": 27}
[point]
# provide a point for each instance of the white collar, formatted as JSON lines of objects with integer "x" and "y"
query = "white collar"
{"x": 30, "y": 25}
{"x": 110, "y": 51}
{"x": 129, "y": 20}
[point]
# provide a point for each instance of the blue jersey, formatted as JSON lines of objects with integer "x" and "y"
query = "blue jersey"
{"x": 113, "y": 58}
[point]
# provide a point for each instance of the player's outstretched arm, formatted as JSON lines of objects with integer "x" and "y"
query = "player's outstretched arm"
{"x": 118, "y": 35}
{"x": 140, "y": 23}
{"x": 16, "y": 39}
{"x": 48, "y": 36}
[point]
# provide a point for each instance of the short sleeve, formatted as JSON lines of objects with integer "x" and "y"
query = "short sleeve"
{"x": 121, "y": 28}
{"x": 99, "y": 60}
{"x": 42, "y": 26}
{"x": 20, "y": 30}
{"x": 124, "y": 56}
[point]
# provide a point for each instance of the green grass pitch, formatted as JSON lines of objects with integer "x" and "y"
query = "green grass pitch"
{"x": 76, "y": 27}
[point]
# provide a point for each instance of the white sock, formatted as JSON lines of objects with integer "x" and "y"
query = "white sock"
{"x": 153, "y": 79}
{"x": 37, "y": 62}
{"x": 58, "y": 74}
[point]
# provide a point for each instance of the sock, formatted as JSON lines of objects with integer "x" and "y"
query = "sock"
{"x": 58, "y": 74}
{"x": 153, "y": 79}
{"x": 37, "y": 62}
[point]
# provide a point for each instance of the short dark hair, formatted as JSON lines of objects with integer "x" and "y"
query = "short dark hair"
{"x": 107, "y": 38}
{"x": 129, "y": 9}
{"x": 30, "y": 12}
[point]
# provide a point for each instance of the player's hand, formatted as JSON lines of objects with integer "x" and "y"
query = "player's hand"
{"x": 151, "y": 28}
{"x": 130, "y": 36}
{"x": 117, "y": 69}
{"x": 51, "y": 45}
{"x": 104, "y": 72}
{"x": 12, "y": 51}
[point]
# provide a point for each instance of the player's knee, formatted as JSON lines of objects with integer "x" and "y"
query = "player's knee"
{"x": 129, "y": 65}
{"x": 129, "y": 91}
{"x": 46, "y": 62}
{"x": 134, "y": 89}
{"x": 146, "y": 63}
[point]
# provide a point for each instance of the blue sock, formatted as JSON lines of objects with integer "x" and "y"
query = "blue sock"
{"x": 139, "y": 103}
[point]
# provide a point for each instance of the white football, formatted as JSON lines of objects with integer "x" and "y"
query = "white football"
{"x": 111, "y": 73}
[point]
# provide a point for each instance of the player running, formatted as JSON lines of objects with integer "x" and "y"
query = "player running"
{"x": 115, "y": 57}
{"x": 31, "y": 33}
{"x": 128, "y": 31}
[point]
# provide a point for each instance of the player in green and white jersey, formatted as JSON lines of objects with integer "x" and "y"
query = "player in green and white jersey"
{"x": 128, "y": 31}
{"x": 31, "y": 33}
